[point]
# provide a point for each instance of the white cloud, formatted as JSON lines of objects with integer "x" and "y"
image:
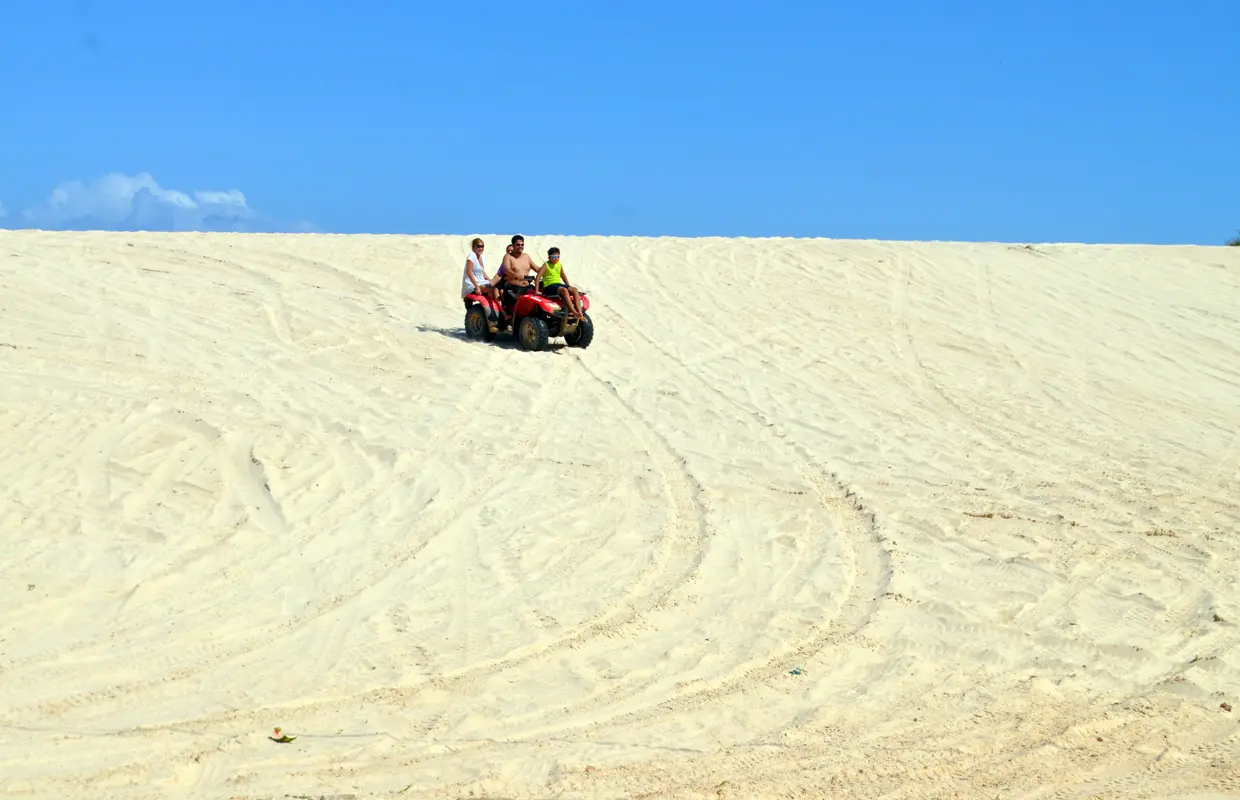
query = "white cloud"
{"x": 138, "y": 202}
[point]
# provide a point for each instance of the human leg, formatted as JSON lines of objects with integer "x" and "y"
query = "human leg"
{"x": 496, "y": 309}
{"x": 566, "y": 299}
{"x": 567, "y": 295}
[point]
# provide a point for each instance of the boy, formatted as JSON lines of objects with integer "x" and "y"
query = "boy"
{"x": 554, "y": 282}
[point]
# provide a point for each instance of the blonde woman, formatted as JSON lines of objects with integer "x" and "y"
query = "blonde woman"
{"x": 474, "y": 278}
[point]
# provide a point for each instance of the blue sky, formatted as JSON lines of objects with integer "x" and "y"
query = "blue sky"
{"x": 1058, "y": 120}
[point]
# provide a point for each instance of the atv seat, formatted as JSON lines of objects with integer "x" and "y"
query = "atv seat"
{"x": 511, "y": 293}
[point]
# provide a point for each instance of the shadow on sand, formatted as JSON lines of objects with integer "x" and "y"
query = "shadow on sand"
{"x": 504, "y": 340}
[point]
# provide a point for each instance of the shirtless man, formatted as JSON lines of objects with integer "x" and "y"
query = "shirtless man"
{"x": 517, "y": 267}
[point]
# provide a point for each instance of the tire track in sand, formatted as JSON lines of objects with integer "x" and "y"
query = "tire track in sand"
{"x": 903, "y": 337}
{"x": 239, "y": 478}
{"x": 679, "y": 557}
{"x": 436, "y": 516}
{"x": 869, "y": 565}
{"x": 871, "y": 562}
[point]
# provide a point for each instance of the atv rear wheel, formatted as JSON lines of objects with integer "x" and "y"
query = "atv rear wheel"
{"x": 532, "y": 333}
{"x": 476, "y": 324}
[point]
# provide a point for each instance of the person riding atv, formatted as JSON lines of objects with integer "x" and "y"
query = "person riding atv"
{"x": 517, "y": 266}
{"x": 530, "y": 315}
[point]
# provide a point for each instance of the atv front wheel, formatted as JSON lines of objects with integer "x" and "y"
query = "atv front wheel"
{"x": 532, "y": 333}
{"x": 582, "y": 335}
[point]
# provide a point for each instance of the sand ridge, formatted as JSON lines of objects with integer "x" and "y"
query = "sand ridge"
{"x": 810, "y": 517}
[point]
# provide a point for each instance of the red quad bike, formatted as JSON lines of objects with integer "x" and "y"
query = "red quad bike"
{"x": 532, "y": 318}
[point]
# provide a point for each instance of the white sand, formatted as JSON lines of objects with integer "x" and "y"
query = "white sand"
{"x": 984, "y": 497}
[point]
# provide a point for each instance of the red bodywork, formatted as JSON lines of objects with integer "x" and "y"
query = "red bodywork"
{"x": 529, "y": 303}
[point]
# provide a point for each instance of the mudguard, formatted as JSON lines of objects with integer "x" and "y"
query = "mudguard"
{"x": 529, "y": 303}
{"x": 481, "y": 300}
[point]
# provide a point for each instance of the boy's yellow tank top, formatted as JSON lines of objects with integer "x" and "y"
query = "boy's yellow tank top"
{"x": 552, "y": 275}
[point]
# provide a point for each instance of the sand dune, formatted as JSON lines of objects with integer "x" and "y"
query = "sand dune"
{"x": 809, "y": 518}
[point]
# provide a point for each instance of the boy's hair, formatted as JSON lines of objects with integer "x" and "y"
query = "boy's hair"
{"x": 517, "y": 238}
{"x": 555, "y": 251}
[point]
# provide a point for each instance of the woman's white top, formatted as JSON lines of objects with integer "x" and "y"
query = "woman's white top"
{"x": 478, "y": 268}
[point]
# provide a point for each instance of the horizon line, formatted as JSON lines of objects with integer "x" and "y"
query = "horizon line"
{"x": 842, "y": 239}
